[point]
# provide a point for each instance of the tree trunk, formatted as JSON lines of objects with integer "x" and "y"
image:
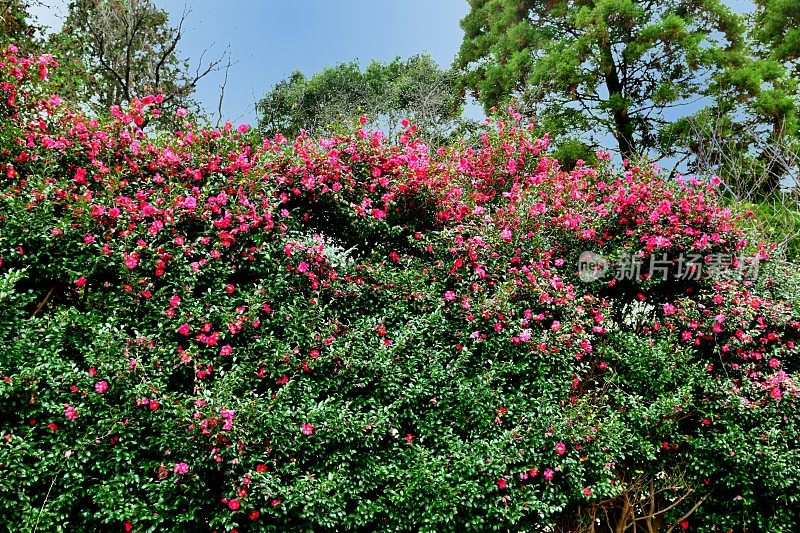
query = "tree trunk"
{"x": 624, "y": 127}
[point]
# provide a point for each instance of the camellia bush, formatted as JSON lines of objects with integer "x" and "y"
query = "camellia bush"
{"x": 207, "y": 330}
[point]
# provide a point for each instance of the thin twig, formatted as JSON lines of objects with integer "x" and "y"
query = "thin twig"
{"x": 44, "y": 302}
{"x": 44, "y": 503}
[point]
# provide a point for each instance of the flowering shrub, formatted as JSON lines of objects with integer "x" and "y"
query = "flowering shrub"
{"x": 207, "y": 330}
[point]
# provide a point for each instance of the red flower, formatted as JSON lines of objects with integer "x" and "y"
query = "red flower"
{"x": 234, "y": 505}
{"x": 153, "y": 405}
{"x": 502, "y": 484}
{"x": 81, "y": 281}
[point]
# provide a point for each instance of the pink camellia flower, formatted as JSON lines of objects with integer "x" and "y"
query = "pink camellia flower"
{"x": 307, "y": 429}
{"x": 234, "y": 505}
{"x": 506, "y": 235}
{"x": 561, "y": 448}
{"x": 243, "y": 128}
{"x": 175, "y": 301}
{"x": 226, "y": 350}
{"x": 81, "y": 281}
{"x": 131, "y": 262}
{"x": 190, "y": 202}
{"x": 450, "y": 296}
{"x": 101, "y": 386}
{"x": 181, "y": 468}
{"x": 302, "y": 267}
{"x": 227, "y": 417}
{"x": 512, "y": 166}
{"x": 181, "y": 112}
{"x": 669, "y": 309}
{"x": 184, "y": 329}
{"x": 70, "y": 412}
{"x": 548, "y": 474}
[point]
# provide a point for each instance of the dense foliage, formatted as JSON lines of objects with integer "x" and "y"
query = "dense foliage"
{"x": 203, "y": 329}
{"x": 415, "y": 88}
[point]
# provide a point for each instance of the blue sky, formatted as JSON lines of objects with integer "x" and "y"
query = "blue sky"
{"x": 271, "y": 38}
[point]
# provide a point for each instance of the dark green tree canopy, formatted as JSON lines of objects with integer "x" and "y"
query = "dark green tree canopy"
{"x": 748, "y": 131}
{"x": 416, "y": 88}
{"x": 777, "y": 26}
{"x": 16, "y": 25}
{"x": 598, "y": 66}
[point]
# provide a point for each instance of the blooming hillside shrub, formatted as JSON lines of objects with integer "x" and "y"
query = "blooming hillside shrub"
{"x": 204, "y": 330}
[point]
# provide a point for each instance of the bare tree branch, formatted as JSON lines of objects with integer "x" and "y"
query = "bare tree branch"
{"x": 222, "y": 92}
